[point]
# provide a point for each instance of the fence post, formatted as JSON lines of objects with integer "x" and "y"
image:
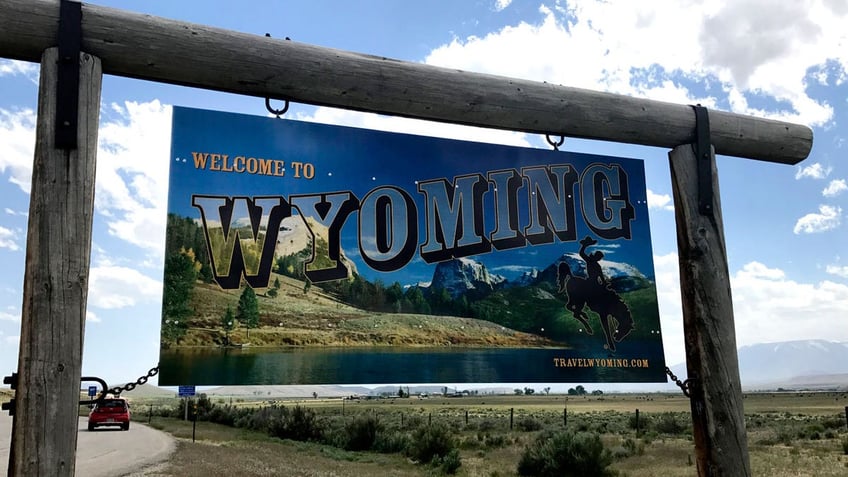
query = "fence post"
{"x": 564, "y": 416}
{"x": 637, "y": 422}
{"x": 466, "y": 418}
{"x": 511, "y": 411}
{"x": 846, "y": 416}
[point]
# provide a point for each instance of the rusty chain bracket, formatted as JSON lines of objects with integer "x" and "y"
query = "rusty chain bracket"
{"x": 684, "y": 385}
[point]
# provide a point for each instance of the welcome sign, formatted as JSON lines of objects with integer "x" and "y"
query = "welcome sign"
{"x": 302, "y": 253}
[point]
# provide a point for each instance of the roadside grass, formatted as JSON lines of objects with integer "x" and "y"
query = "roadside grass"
{"x": 226, "y": 451}
{"x": 782, "y": 441}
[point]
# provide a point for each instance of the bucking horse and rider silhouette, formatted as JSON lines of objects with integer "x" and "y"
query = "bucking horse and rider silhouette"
{"x": 595, "y": 291}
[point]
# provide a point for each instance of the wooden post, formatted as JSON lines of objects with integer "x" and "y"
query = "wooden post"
{"x": 55, "y": 288}
{"x": 466, "y": 418}
{"x": 846, "y": 416}
{"x": 637, "y": 422}
{"x": 715, "y": 390}
{"x": 511, "y": 411}
{"x": 565, "y": 417}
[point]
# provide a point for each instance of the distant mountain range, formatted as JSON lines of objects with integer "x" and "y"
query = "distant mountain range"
{"x": 789, "y": 361}
{"x": 466, "y": 276}
{"x": 802, "y": 364}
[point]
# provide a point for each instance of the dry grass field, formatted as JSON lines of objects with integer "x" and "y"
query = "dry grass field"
{"x": 789, "y": 434}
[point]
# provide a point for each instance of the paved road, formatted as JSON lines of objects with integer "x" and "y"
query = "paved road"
{"x": 105, "y": 452}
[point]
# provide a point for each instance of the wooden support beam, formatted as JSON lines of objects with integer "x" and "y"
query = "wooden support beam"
{"x": 713, "y": 368}
{"x": 44, "y": 438}
{"x": 170, "y": 51}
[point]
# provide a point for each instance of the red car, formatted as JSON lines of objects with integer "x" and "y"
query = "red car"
{"x": 110, "y": 412}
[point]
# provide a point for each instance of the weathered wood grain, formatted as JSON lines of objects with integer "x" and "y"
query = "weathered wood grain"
{"x": 55, "y": 285}
{"x": 712, "y": 364}
{"x": 157, "y": 49}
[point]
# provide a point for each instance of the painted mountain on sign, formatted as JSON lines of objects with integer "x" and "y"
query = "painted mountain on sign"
{"x": 464, "y": 276}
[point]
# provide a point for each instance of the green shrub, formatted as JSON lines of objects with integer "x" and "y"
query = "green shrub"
{"x": 390, "y": 442}
{"x": 669, "y": 424}
{"x": 528, "y": 424}
{"x": 643, "y": 423}
{"x": 429, "y": 442}
{"x": 297, "y": 424}
{"x": 303, "y": 425}
{"x": 835, "y": 423}
{"x": 487, "y": 425}
{"x": 361, "y": 433}
{"x": 225, "y": 415}
{"x": 566, "y": 454}
{"x": 495, "y": 441}
{"x": 633, "y": 447}
{"x": 450, "y": 463}
{"x": 812, "y": 431}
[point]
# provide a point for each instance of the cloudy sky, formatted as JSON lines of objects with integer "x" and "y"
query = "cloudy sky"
{"x": 784, "y": 224}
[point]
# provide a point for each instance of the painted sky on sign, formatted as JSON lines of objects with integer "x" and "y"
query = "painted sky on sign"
{"x": 360, "y": 160}
{"x": 784, "y": 225}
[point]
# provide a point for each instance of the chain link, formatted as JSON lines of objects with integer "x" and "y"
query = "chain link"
{"x": 117, "y": 390}
{"x": 684, "y": 385}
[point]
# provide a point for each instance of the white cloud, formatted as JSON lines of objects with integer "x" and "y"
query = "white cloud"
{"x": 132, "y": 167}
{"x": 768, "y": 306}
{"x": 132, "y": 172}
{"x": 501, "y": 4}
{"x": 836, "y": 187}
{"x": 4, "y": 316}
{"x": 17, "y": 146}
{"x": 828, "y": 218}
{"x": 15, "y": 212}
{"x": 840, "y": 271}
{"x": 91, "y": 318}
{"x": 8, "y": 239}
{"x": 659, "y": 201}
{"x": 771, "y": 307}
{"x": 813, "y": 171}
{"x": 750, "y": 49}
{"x": 667, "y": 272}
{"x": 15, "y": 67}
{"x": 120, "y": 287}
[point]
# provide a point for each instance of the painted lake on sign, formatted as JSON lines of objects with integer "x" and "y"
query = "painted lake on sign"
{"x": 361, "y": 365}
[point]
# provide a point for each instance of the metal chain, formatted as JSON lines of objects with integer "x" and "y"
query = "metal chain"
{"x": 684, "y": 385}
{"x": 117, "y": 390}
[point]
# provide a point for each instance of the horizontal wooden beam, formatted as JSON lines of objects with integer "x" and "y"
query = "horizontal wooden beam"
{"x": 157, "y": 49}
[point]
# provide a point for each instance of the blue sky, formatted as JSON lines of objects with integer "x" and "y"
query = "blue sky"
{"x": 786, "y": 240}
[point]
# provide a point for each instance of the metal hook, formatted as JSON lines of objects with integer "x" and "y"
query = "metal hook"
{"x": 555, "y": 144}
{"x": 276, "y": 112}
{"x": 104, "y": 388}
